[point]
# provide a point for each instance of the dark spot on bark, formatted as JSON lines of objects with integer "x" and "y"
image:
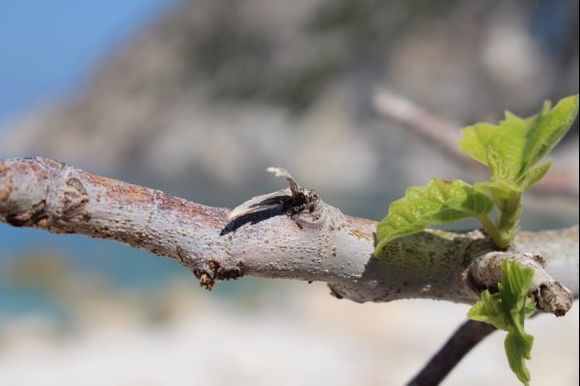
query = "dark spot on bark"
{"x": 229, "y": 273}
{"x": 334, "y": 292}
{"x": 536, "y": 295}
{"x": 559, "y": 312}
{"x": 546, "y": 300}
{"x": 477, "y": 286}
{"x": 539, "y": 259}
{"x": 213, "y": 265}
{"x": 35, "y": 216}
{"x": 14, "y": 220}
{"x": 181, "y": 256}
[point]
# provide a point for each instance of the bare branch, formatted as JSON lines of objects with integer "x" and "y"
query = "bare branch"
{"x": 446, "y": 135}
{"x": 466, "y": 337}
{"x": 433, "y": 129}
{"x": 296, "y": 236}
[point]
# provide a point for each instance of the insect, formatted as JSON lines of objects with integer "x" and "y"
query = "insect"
{"x": 291, "y": 201}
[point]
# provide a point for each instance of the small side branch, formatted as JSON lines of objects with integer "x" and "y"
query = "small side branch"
{"x": 446, "y": 134}
{"x": 466, "y": 337}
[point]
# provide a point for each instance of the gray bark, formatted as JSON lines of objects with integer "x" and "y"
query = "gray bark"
{"x": 279, "y": 237}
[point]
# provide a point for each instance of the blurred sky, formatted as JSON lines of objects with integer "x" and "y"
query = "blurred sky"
{"x": 36, "y": 65}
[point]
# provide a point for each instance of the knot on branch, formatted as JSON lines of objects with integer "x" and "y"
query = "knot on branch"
{"x": 549, "y": 294}
{"x": 211, "y": 272}
{"x": 75, "y": 197}
{"x": 46, "y": 192}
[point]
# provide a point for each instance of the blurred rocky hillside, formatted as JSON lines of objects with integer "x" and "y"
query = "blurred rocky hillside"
{"x": 215, "y": 91}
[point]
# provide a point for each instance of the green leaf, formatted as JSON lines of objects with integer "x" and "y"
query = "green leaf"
{"x": 548, "y": 129}
{"x": 518, "y": 348}
{"x": 439, "y": 202}
{"x": 512, "y": 148}
{"x": 514, "y": 286}
{"x": 507, "y": 310}
{"x": 488, "y": 309}
{"x": 537, "y": 174}
{"x": 511, "y": 151}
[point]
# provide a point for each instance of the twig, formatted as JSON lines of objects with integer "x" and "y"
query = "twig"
{"x": 434, "y": 130}
{"x": 445, "y": 135}
{"x": 466, "y": 337}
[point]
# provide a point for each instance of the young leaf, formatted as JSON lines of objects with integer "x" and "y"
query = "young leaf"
{"x": 488, "y": 309}
{"x": 537, "y": 174}
{"x": 512, "y": 148}
{"x": 548, "y": 129}
{"x": 507, "y": 310}
{"x": 439, "y": 202}
{"x": 510, "y": 151}
{"x": 518, "y": 348}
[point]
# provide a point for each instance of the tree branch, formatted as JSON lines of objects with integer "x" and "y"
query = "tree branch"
{"x": 286, "y": 234}
{"x": 466, "y": 337}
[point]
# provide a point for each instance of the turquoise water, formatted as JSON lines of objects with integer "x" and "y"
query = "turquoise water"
{"x": 122, "y": 265}
{"x": 106, "y": 263}
{"x": 115, "y": 264}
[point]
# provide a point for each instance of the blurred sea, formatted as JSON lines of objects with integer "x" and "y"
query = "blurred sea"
{"x": 118, "y": 265}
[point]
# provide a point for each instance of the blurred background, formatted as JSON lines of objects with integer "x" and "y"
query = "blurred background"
{"x": 197, "y": 98}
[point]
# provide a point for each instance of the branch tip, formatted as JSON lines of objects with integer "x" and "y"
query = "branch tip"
{"x": 549, "y": 294}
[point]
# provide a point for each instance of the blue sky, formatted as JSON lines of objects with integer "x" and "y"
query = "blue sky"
{"x": 49, "y": 47}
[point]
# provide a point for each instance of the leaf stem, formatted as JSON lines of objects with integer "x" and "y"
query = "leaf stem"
{"x": 490, "y": 229}
{"x": 508, "y": 224}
